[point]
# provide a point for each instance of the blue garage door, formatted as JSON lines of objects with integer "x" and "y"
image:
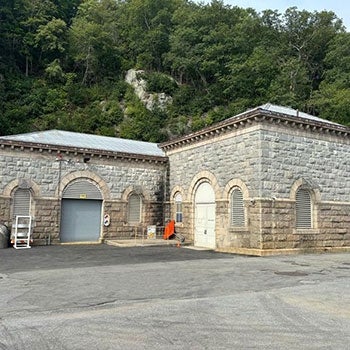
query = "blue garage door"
{"x": 81, "y": 212}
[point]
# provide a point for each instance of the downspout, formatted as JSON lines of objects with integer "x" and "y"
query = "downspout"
{"x": 58, "y": 224}
{"x": 165, "y": 194}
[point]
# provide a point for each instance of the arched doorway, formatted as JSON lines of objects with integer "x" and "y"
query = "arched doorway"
{"x": 204, "y": 218}
{"x": 81, "y": 212}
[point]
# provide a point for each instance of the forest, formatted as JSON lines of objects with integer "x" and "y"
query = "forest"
{"x": 63, "y": 64}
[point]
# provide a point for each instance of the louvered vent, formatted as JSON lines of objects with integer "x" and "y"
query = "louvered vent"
{"x": 303, "y": 209}
{"x": 21, "y": 202}
{"x": 82, "y": 189}
{"x": 134, "y": 208}
{"x": 237, "y": 207}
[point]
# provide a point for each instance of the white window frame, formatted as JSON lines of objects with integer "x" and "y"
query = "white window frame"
{"x": 178, "y": 208}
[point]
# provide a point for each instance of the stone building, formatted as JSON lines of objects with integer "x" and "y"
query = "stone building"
{"x": 270, "y": 180}
{"x": 68, "y": 182}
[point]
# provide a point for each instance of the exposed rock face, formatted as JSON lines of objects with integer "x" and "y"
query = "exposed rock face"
{"x": 151, "y": 101}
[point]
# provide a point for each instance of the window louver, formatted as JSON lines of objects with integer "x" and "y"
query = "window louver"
{"x": 21, "y": 202}
{"x": 303, "y": 209}
{"x": 134, "y": 208}
{"x": 237, "y": 208}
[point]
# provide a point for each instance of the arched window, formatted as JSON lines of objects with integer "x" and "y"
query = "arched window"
{"x": 21, "y": 202}
{"x": 134, "y": 208}
{"x": 178, "y": 207}
{"x": 303, "y": 209}
{"x": 237, "y": 208}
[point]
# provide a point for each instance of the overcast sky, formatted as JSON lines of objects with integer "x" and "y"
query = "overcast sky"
{"x": 340, "y": 7}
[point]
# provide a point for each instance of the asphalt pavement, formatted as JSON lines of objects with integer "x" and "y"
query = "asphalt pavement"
{"x": 106, "y": 297}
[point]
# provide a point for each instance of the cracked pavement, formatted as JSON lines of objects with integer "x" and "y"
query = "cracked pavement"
{"x": 104, "y": 297}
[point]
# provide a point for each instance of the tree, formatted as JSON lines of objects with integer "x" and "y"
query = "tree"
{"x": 94, "y": 42}
{"x": 308, "y": 36}
{"x": 332, "y": 100}
{"x": 145, "y": 27}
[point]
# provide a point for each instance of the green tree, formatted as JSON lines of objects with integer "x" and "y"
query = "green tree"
{"x": 145, "y": 28}
{"x": 308, "y": 36}
{"x": 94, "y": 41}
{"x": 332, "y": 100}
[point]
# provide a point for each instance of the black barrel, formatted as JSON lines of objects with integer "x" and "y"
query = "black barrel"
{"x": 4, "y": 236}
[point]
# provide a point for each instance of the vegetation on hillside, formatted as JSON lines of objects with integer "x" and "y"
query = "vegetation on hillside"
{"x": 63, "y": 63}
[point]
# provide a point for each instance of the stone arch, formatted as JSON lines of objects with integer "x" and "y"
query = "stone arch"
{"x": 306, "y": 185}
{"x": 22, "y": 183}
{"x": 174, "y": 212}
{"x": 177, "y": 189}
{"x": 101, "y": 184}
{"x": 241, "y": 213}
{"x": 135, "y": 189}
{"x": 204, "y": 176}
{"x": 315, "y": 197}
{"x": 144, "y": 197}
{"x": 26, "y": 184}
{"x": 231, "y": 185}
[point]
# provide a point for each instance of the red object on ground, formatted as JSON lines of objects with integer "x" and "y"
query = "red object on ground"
{"x": 169, "y": 229}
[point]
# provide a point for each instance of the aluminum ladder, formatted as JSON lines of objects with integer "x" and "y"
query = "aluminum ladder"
{"x": 23, "y": 231}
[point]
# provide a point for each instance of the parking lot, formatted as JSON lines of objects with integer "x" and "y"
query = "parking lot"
{"x": 105, "y": 297}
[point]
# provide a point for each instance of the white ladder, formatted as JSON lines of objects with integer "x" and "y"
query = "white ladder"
{"x": 23, "y": 231}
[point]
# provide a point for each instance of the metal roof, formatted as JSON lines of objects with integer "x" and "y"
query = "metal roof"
{"x": 290, "y": 112}
{"x": 268, "y": 109}
{"x": 87, "y": 141}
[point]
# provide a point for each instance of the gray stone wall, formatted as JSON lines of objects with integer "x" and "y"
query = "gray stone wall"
{"x": 235, "y": 156}
{"x": 50, "y": 174}
{"x": 44, "y": 170}
{"x": 279, "y": 232}
{"x": 290, "y": 154}
{"x": 226, "y": 158}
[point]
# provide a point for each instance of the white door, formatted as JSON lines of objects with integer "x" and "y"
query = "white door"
{"x": 204, "y": 222}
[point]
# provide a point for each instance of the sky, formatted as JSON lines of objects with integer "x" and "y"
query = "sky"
{"x": 340, "y": 7}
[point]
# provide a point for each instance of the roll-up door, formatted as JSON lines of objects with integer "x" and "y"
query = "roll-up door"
{"x": 82, "y": 189}
{"x": 81, "y": 212}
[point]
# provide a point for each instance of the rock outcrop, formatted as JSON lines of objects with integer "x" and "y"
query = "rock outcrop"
{"x": 150, "y": 100}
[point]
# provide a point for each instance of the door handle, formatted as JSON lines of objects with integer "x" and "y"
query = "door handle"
{"x": 205, "y": 232}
